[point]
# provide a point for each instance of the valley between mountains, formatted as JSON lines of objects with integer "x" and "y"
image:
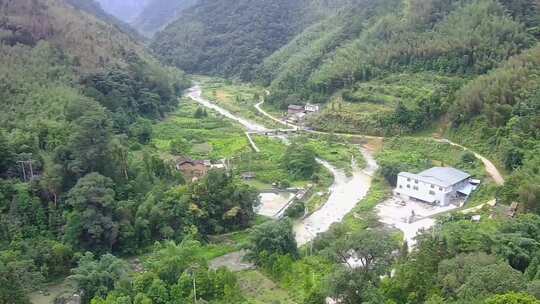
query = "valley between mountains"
{"x": 269, "y": 151}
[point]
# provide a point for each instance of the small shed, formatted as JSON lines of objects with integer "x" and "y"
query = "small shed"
{"x": 294, "y": 109}
{"x": 192, "y": 169}
{"x": 248, "y": 175}
{"x": 311, "y": 108}
{"x": 512, "y": 211}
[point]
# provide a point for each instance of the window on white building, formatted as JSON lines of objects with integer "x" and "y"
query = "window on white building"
{"x": 431, "y": 192}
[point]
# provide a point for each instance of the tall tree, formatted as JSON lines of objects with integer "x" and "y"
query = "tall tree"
{"x": 272, "y": 238}
{"x": 91, "y": 223}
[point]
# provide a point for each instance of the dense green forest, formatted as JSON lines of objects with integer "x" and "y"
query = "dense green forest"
{"x": 230, "y": 38}
{"x": 395, "y": 37}
{"x": 203, "y": 38}
{"x": 73, "y": 167}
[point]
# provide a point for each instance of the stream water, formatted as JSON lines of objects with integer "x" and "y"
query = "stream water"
{"x": 345, "y": 192}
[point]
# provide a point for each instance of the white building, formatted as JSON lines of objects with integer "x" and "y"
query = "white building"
{"x": 438, "y": 185}
{"x": 311, "y": 108}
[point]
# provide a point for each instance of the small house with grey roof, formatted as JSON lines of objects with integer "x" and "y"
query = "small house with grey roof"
{"x": 438, "y": 185}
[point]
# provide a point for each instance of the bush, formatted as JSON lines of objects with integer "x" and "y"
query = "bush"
{"x": 296, "y": 210}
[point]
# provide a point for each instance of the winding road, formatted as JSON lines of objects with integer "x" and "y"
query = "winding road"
{"x": 490, "y": 168}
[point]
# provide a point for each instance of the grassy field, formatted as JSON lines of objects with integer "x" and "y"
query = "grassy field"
{"x": 52, "y": 291}
{"x": 337, "y": 151}
{"x": 205, "y": 137}
{"x": 258, "y": 289}
{"x": 237, "y": 98}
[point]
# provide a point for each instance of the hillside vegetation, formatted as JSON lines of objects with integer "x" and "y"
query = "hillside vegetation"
{"x": 78, "y": 100}
{"x": 92, "y": 43}
{"x": 230, "y": 38}
{"x": 159, "y": 13}
{"x": 92, "y": 130}
{"x": 448, "y": 37}
{"x": 499, "y": 114}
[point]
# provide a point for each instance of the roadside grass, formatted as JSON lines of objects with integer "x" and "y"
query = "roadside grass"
{"x": 418, "y": 154}
{"x": 274, "y": 110}
{"x": 237, "y": 98}
{"x": 337, "y": 151}
{"x": 363, "y": 215}
{"x": 317, "y": 200}
{"x": 267, "y": 165}
{"x": 476, "y": 136}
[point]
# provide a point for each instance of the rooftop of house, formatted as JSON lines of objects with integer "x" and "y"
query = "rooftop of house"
{"x": 440, "y": 176}
{"x": 295, "y": 107}
{"x": 190, "y": 161}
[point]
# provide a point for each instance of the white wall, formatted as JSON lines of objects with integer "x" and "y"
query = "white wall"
{"x": 415, "y": 188}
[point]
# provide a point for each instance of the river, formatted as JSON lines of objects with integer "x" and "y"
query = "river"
{"x": 345, "y": 192}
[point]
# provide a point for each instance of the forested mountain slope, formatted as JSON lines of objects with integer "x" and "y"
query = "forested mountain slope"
{"x": 78, "y": 97}
{"x": 159, "y": 13}
{"x": 90, "y": 41}
{"x": 447, "y": 37}
{"x": 231, "y": 38}
{"x": 94, "y": 8}
{"x": 227, "y": 37}
{"x": 499, "y": 113}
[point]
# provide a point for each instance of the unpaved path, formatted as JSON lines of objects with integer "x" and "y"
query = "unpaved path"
{"x": 490, "y": 168}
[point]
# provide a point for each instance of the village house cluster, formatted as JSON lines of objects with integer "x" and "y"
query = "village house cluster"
{"x": 193, "y": 170}
{"x": 298, "y": 113}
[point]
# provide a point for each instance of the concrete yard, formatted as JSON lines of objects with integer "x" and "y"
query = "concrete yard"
{"x": 410, "y": 216}
{"x": 273, "y": 203}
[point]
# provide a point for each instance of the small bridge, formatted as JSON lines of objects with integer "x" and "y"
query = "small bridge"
{"x": 277, "y": 132}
